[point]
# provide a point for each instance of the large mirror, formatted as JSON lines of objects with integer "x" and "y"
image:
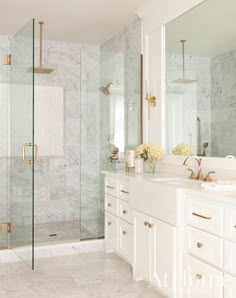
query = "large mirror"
{"x": 201, "y": 80}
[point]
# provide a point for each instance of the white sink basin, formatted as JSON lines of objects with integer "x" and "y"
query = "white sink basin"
{"x": 175, "y": 180}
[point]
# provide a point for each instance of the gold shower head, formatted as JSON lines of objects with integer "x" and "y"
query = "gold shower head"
{"x": 42, "y": 69}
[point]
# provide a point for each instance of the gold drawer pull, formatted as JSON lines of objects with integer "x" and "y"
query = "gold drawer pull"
{"x": 110, "y": 187}
{"x": 109, "y": 223}
{"x": 109, "y": 204}
{"x": 235, "y": 226}
{"x": 126, "y": 192}
{"x": 124, "y": 211}
{"x": 147, "y": 224}
{"x": 199, "y": 276}
{"x": 124, "y": 233}
{"x": 202, "y": 216}
{"x": 199, "y": 245}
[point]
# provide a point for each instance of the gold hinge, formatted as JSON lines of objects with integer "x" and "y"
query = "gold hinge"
{"x": 6, "y": 59}
{"x": 6, "y": 228}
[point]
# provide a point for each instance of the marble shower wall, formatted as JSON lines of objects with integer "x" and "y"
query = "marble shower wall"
{"x": 120, "y": 61}
{"x": 92, "y": 219}
{"x": 223, "y": 108}
{"x": 57, "y": 179}
{"x": 4, "y": 48}
{"x": 187, "y": 102}
{"x": 67, "y": 187}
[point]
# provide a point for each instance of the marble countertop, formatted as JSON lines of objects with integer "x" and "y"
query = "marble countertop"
{"x": 178, "y": 182}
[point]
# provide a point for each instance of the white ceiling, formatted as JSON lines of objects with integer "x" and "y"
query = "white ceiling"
{"x": 210, "y": 29}
{"x": 85, "y": 21}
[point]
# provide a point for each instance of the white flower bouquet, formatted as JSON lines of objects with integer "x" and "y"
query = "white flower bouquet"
{"x": 155, "y": 153}
{"x": 182, "y": 149}
{"x": 151, "y": 154}
{"x": 142, "y": 151}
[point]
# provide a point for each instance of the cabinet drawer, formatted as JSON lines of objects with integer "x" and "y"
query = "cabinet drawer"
{"x": 229, "y": 286}
{"x": 203, "y": 280}
{"x": 123, "y": 190}
{"x": 205, "y": 216}
{"x": 111, "y": 204}
{"x": 125, "y": 238}
{"x": 230, "y": 223}
{"x": 230, "y": 257}
{"x": 124, "y": 211}
{"x": 204, "y": 246}
{"x": 110, "y": 187}
{"x": 111, "y": 226}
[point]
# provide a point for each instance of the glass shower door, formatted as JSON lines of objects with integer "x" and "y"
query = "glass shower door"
{"x": 22, "y": 151}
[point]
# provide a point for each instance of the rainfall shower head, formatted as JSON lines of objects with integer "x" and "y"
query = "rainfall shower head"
{"x": 183, "y": 81}
{"x": 105, "y": 90}
{"x": 42, "y": 69}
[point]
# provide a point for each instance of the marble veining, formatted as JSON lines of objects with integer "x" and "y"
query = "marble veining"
{"x": 88, "y": 275}
{"x": 223, "y": 125}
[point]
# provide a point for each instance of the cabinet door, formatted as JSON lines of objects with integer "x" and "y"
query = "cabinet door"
{"x": 163, "y": 257}
{"x": 141, "y": 246}
{"x": 124, "y": 241}
{"x": 204, "y": 281}
{"x": 110, "y": 232}
{"x": 229, "y": 286}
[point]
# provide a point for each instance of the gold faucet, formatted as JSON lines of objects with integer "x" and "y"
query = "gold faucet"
{"x": 199, "y": 175}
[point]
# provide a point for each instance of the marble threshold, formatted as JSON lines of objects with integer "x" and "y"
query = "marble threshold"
{"x": 56, "y": 250}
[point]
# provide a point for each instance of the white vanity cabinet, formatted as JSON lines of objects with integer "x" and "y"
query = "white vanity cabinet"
{"x": 154, "y": 252}
{"x": 229, "y": 286}
{"x": 203, "y": 281}
{"x": 118, "y": 228}
{"x": 182, "y": 241}
{"x": 111, "y": 226}
{"x": 156, "y": 241}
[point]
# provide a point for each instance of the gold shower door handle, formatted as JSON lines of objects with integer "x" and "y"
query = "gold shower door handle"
{"x": 29, "y": 161}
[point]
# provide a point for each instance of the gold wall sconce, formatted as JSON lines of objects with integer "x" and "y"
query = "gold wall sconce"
{"x": 6, "y": 59}
{"x": 151, "y": 99}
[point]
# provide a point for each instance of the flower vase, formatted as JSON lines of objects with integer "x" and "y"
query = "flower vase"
{"x": 150, "y": 166}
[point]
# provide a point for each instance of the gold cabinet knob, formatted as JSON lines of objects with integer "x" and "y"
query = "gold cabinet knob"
{"x": 124, "y": 211}
{"x": 199, "y": 245}
{"x": 146, "y": 224}
{"x": 109, "y": 223}
{"x": 150, "y": 226}
{"x": 199, "y": 276}
{"x": 124, "y": 233}
{"x": 109, "y": 205}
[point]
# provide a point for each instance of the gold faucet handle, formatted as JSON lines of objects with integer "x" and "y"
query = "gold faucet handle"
{"x": 192, "y": 175}
{"x": 208, "y": 178}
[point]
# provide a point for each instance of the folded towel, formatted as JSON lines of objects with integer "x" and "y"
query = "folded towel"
{"x": 219, "y": 187}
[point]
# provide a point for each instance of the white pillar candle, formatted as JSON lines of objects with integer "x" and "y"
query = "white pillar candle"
{"x": 130, "y": 157}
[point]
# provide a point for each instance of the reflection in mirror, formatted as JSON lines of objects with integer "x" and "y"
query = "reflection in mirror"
{"x": 120, "y": 106}
{"x": 201, "y": 80}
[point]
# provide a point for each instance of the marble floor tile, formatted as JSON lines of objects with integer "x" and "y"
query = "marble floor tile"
{"x": 91, "y": 275}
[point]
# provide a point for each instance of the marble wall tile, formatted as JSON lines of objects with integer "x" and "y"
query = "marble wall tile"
{"x": 223, "y": 109}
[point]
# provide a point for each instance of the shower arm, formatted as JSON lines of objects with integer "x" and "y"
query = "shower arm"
{"x": 41, "y": 45}
{"x": 183, "y": 60}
